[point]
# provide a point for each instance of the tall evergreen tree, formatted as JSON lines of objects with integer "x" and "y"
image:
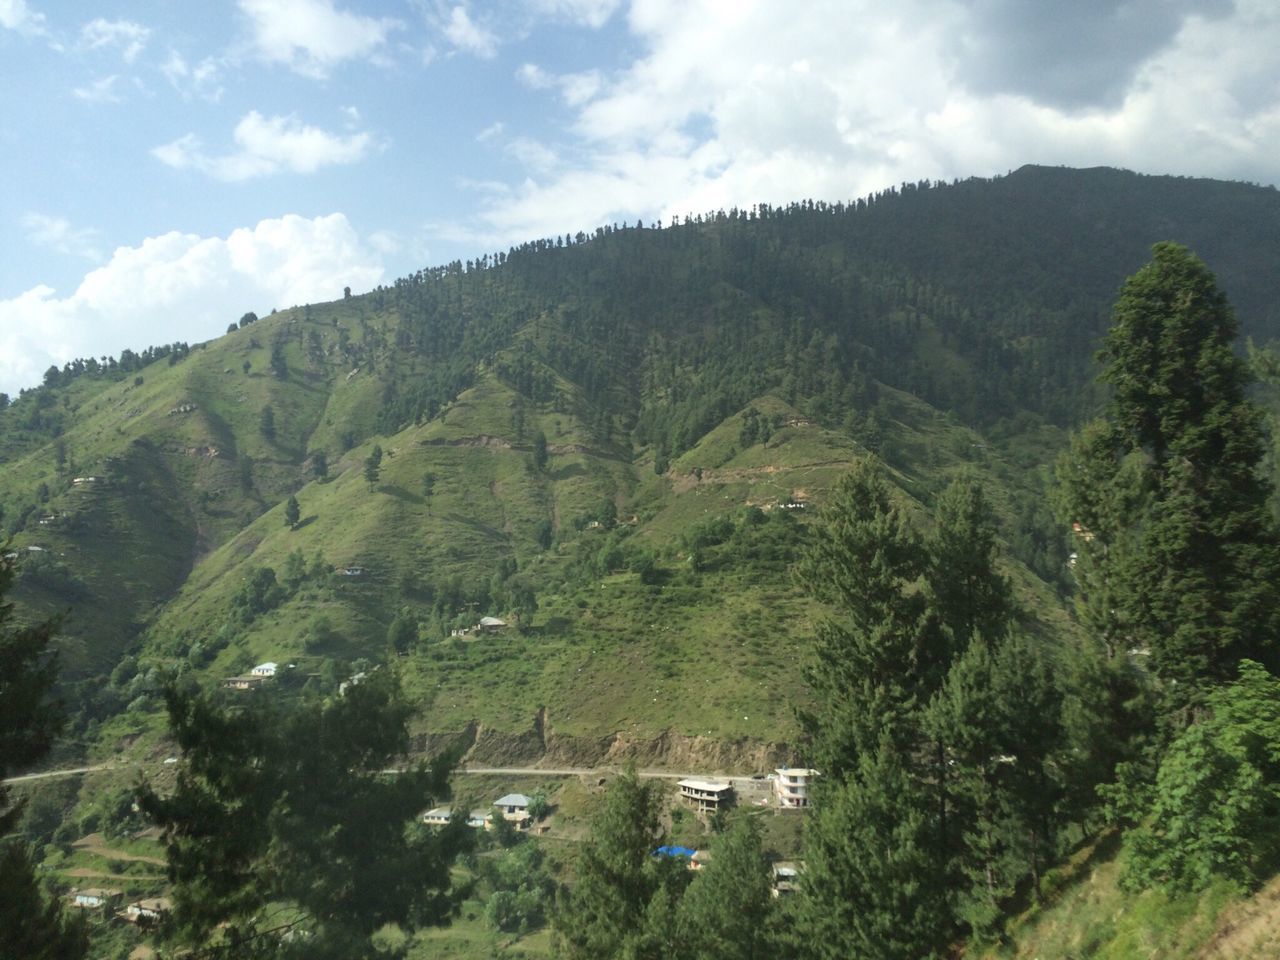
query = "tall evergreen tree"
{"x": 619, "y": 904}
{"x": 725, "y": 914}
{"x": 1186, "y": 550}
{"x": 285, "y": 838}
{"x": 872, "y": 889}
{"x": 871, "y": 652}
{"x": 31, "y": 925}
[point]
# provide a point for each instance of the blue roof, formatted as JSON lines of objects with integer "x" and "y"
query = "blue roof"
{"x": 670, "y": 851}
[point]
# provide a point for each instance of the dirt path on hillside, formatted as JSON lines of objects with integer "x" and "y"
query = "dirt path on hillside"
{"x": 96, "y": 844}
{"x": 1248, "y": 930}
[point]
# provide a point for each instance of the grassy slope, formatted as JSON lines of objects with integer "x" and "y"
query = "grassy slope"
{"x": 1089, "y": 917}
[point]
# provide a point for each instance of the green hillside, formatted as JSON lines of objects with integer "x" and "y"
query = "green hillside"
{"x": 944, "y": 328}
{"x": 616, "y": 443}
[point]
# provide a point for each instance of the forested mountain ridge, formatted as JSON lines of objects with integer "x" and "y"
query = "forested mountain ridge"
{"x": 590, "y": 412}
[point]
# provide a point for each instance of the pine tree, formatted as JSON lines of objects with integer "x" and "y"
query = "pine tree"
{"x": 871, "y": 652}
{"x": 287, "y": 806}
{"x": 373, "y": 466}
{"x": 607, "y": 910}
{"x": 292, "y": 512}
{"x": 871, "y": 889}
{"x": 1187, "y": 551}
{"x": 725, "y": 913}
{"x": 31, "y": 925}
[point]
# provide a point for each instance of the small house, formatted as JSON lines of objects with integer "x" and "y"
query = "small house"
{"x": 243, "y": 682}
{"x": 147, "y": 911}
{"x": 705, "y": 796}
{"x": 94, "y": 897}
{"x": 786, "y": 878}
{"x": 437, "y": 816}
{"x": 264, "y": 670}
{"x": 514, "y": 808}
{"x": 491, "y": 625}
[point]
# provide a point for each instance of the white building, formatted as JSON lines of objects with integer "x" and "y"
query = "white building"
{"x": 705, "y": 796}
{"x": 792, "y": 786}
{"x": 267, "y": 669}
{"x": 93, "y": 898}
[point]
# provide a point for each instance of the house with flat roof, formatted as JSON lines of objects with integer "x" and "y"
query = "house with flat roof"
{"x": 94, "y": 897}
{"x": 786, "y": 877}
{"x": 791, "y": 786}
{"x": 705, "y": 796}
{"x": 147, "y": 911}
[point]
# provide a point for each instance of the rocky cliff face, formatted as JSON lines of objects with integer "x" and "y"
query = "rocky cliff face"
{"x": 542, "y": 746}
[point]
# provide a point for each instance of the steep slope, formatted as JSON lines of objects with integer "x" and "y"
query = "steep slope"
{"x": 674, "y": 379}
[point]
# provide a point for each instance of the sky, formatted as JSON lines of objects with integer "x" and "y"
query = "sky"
{"x": 167, "y": 166}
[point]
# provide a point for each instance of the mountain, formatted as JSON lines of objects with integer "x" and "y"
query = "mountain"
{"x": 613, "y": 441}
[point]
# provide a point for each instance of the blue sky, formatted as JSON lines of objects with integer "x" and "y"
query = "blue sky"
{"x": 169, "y": 165}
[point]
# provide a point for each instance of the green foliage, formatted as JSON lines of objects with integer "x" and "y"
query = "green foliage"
{"x": 286, "y": 806}
{"x": 871, "y": 886}
{"x": 1215, "y": 808}
{"x": 403, "y": 632}
{"x": 619, "y": 899}
{"x": 523, "y": 889}
{"x": 540, "y": 450}
{"x": 727, "y": 911}
{"x": 1179, "y": 553}
{"x": 292, "y": 512}
{"x": 259, "y": 594}
{"x": 31, "y": 924}
{"x": 373, "y": 466}
{"x": 871, "y": 659}
{"x": 267, "y": 422}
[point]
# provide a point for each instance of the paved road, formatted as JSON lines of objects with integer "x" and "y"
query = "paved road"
{"x": 53, "y": 774}
{"x": 467, "y": 768}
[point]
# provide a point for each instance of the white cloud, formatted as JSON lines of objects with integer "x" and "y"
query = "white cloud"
{"x": 488, "y": 133}
{"x": 267, "y": 146}
{"x": 130, "y": 37}
{"x": 201, "y": 80}
{"x": 57, "y": 233}
{"x": 575, "y": 88}
{"x": 102, "y": 90}
{"x": 182, "y": 287}
{"x": 590, "y": 13}
{"x": 16, "y": 15}
{"x": 731, "y": 104}
{"x": 312, "y": 36}
{"x": 467, "y": 35}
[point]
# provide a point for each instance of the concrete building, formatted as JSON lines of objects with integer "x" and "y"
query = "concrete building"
{"x": 705, "y": 796}
{"x": 792, "y": 786}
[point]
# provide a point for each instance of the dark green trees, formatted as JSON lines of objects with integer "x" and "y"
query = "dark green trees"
{"x": 1179, "y": 567}
{"x": 617, "y": 906}
{"x": 936, "y": 729}
{"x": 373, "y": 466}
{"x": 292, "y": 512}
{"x": 31, "y": 925}
{"x": 1179, "y": 553}
{"x": 284, "y": 837}
{"x": 726, "y": 912}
